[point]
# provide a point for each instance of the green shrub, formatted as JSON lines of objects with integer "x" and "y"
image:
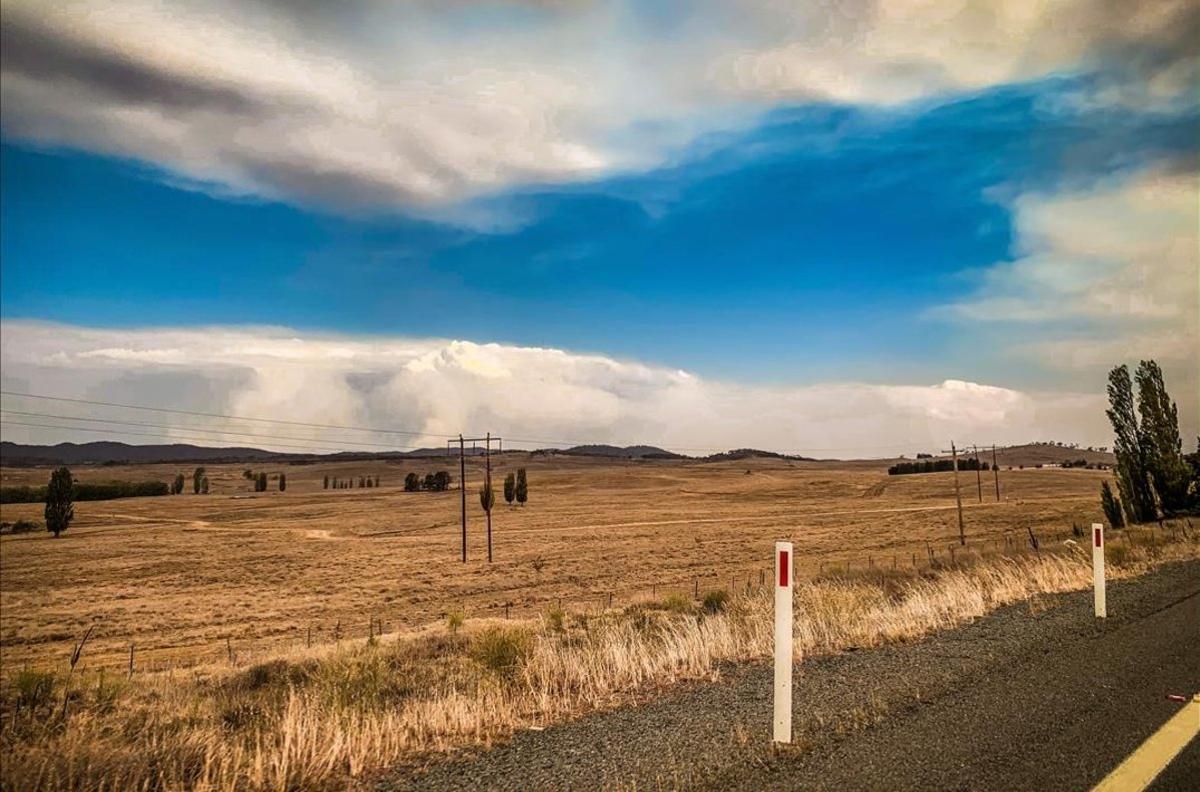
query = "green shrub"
{"x": 714, "y": 601}
{"x": 238, "y": 714}
{"x": 502, "y": 649}
{"x": 556, "y": 619}
{"x": 455, "y": 620}
{"x": 676, "y": 603}
{"x": 275, "y": 673}
{"x": 1117, "y": 555}
{"x": 21, "y": 527}
{"x": 108, "y": 692}
{"x": 34, "y": 689}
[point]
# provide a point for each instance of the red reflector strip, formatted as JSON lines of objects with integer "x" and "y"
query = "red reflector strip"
{"x": 1096, "y": 537}
{"x": 784, "y": 567}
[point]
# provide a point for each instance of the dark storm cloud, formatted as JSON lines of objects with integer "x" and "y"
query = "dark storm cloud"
{"x": 30, "y": 50}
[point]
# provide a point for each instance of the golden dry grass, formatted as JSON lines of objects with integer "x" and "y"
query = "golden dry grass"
{"x": 331, "y": 717}
{"x": 178, "y": 576}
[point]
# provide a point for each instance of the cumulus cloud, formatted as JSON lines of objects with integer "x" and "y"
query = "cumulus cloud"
{"x": 878, "y": 52}
{"x": 539, "y": 396}
{"x": 420, "y": 105}
{"x": 1102, "y": 276}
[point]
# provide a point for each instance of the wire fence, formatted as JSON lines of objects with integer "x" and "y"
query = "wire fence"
{"x": 877, "y": 565}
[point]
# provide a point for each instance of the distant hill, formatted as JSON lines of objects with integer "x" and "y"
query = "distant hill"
{"x": 105, "y": 452}
{"x": 627, "y": 452}
{"x": 1032, "y": 454}
{"x": 1047, "y": 454}
{"x": 754, "y": 453}
{"x": 102, "y": 452}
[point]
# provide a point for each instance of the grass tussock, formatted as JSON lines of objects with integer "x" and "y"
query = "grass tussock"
{"x": 331, "y": 716}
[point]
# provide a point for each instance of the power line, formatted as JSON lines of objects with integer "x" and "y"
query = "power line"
{"x": 159, "y": 434}
{"x": 414, "y": 433}
{"x": 222, "y": 415}
{"x": 216, "y": 430}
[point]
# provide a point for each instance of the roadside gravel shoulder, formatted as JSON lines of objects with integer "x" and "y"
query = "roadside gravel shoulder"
{"x": 1035, "y": 695}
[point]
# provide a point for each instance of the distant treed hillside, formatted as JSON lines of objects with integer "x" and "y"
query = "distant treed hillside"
{"x": 751, "y": 453}
{"x": 16, "y": 454}
{"x": 628, "y": 452}
{"x": 104, "y": 452}
{"x": 1027, "y": 455}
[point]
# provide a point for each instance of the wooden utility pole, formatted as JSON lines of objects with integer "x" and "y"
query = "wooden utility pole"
{"x": 996, "y": 472}
{"x": 962, "y": 536}
{"x": 978, "y": 475}
{"x": 487, "y": 456}
{"x": 462, "y": 486}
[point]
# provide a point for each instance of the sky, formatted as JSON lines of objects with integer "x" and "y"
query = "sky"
{"x": 859, "y": 229}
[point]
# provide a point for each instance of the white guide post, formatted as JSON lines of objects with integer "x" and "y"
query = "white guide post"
{"x": 1098, "y": 569}
{"x": 783, "y": 642}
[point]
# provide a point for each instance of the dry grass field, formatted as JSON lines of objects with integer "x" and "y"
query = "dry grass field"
{"x": 186, "y": 578}
{"x": 217, "y": 594}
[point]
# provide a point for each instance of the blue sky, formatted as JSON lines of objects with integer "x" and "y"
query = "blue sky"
{"x": 772, "y": 203}
{"x": 800, "y": 249}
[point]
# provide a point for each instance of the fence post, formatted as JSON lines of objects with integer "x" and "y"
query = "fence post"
{"x": 1098, "y": 570}
{"x": 783, "y": 642}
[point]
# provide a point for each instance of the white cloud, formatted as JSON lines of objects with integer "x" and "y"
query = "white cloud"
{"x": 1101, "y": 276}
{"x": 895, "y": 51}
{"x": 441, "y": 387}
{"x": 422, "y": 104}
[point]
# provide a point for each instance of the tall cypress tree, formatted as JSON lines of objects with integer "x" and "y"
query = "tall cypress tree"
{"x": 60, "y": 497}
{"x": 1112, "y": 509}
{"x": 522, "y": 488}
{"x": 1133, "y": 480}
{"x": 1162, "y": 446}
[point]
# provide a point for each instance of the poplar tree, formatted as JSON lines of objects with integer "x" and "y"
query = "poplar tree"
{"x": 510, "y": 488}
{"x": 1162, "y": 446}
{"x": 197, "y": 474}
{"x": 1133, "y": 479}
{"x": 487, "y": 497}
{"x": 522, "y": 489}
{"x": 283, "y": 482}
{"x": 1112, "y": 509}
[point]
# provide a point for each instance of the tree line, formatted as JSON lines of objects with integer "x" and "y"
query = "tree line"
{"x": 348, "y": 483}
{"x": 516, "y": 487}
{"x": 936, "y": 466}
{"x": 1154, "y": 477}
{"x": 87, "y": 491}
{"x": 431, "y": 482}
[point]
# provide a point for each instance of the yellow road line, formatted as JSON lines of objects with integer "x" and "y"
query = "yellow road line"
{"x": 1144, "y": 764}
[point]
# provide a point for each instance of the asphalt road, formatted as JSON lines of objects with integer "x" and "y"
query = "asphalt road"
{"x": 1035, "y": 696}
